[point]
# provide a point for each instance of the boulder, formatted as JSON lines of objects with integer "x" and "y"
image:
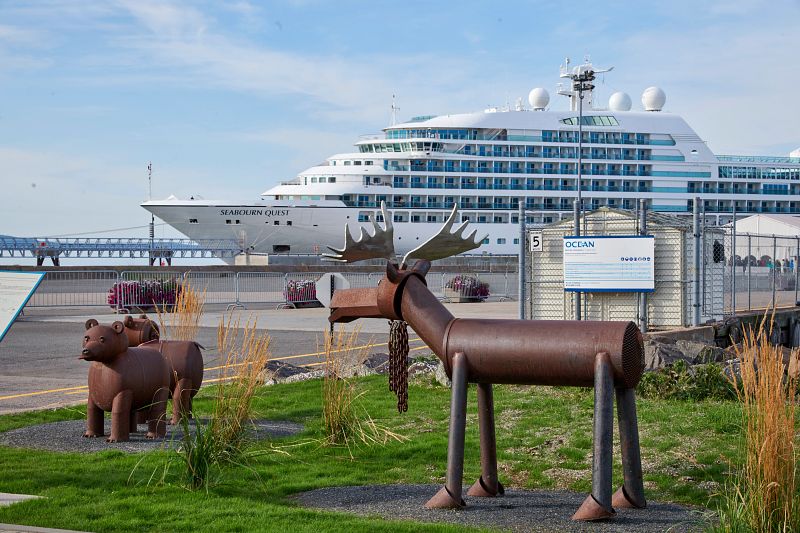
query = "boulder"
{"x": 658, "y": 355}
{"x": 441, "y": 376}
{"x": 699, "y": 353}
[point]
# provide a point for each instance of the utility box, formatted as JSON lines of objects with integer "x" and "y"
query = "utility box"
{"x": 669, "y": 305}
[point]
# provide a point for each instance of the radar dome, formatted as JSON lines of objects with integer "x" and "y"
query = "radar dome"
{"x": 653, "y": 99}
{"x": 619, "y": 101}
{"x": 538, "y": 98}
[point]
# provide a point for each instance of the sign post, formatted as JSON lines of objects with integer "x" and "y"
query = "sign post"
{"x": 16, "y": 288}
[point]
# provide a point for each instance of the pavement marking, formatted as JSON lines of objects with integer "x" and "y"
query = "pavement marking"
{"x": 83, "y": 388}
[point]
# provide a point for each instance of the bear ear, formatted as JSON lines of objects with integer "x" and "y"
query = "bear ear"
{"x": 118, "y": 327}
{"x": 91, "y": 323}
{"x": 128, "y": 322}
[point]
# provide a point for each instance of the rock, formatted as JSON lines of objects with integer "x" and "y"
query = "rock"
{"x": 658, "y": 355}
{"x": 441, "y": 376}
{"x": 278, "y": 371}
{"x": 732, "y": 369}
{"x": 314, "y": 374}
{"x": 422, "y": 367}
{"x": 378, "y": 363}
{"x": 793, "y": 368}
{"x": 699, "y": 353}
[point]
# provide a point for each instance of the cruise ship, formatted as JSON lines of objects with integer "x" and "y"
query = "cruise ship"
{"x": 489, "y": 162}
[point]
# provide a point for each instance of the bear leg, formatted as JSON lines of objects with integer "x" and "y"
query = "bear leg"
{"x": 121, "y": 416}
{"x": 182, "y": 400}
{"x": 94, "y": 420}
{"x": 157, "y": 421}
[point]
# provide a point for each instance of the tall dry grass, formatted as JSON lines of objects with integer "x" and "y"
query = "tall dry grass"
{"x": 182, "y": 322}
{"x": 345, "y": 422}
{"x": 222, "y": 438}
{"x": 764, "y": 496}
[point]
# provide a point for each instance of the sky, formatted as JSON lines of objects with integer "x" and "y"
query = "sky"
{"x": 227, "y": 98}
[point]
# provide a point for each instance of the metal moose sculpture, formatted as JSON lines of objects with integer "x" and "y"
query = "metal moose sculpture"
{"x": 606, "y": 355}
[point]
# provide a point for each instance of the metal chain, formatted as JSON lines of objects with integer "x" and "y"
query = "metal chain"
{"x": 398, "y": 363}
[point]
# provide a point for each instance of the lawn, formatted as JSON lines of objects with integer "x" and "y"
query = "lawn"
{"x": 543, "y": 438}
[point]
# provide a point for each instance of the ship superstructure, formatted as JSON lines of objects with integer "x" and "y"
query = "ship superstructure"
{"x": 488, "y": 163}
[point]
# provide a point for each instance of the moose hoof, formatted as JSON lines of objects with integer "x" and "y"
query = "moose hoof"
{"x": 620, "y": 500}
{"x": 444, "y": 500}
{"x": 591, "y": 509}
{"x": 480, "y": 490}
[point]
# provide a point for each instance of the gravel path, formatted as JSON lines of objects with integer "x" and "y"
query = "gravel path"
{"x": 68, "y": 436}
{"x": 518, "y": 510}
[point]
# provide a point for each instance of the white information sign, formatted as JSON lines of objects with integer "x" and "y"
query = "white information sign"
{"x": 323, "y": 287}
{"x": 16, "y": 288}
{"x": 609, "y": 264}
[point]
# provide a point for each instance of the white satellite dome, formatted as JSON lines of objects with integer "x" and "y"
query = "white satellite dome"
{"x": 538, "y": 98}
{"x": 619, "y": 101}
{"x": 653, "y": 99}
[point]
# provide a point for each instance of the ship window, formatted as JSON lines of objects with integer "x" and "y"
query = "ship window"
{"x": 237, "y": 221}
{"x": 516, "y": 241}
{"x": 357, "y": 163}
{"x": 485, "y": 241}
{"x": 415, "y": 218}
{"x": 367, "y": 162}
{"x": 228, "y": 221}
{"x": 288, "y": 222}
{"x": 276, "y": 223}
{"x": 347, "y": 163}
{"x": 501, "y": 241}
{"x": 331, "y": 179}
{"x": 313, "y": 180}
{"x": 322, "y": 179}
{"x": 192, "y": 221}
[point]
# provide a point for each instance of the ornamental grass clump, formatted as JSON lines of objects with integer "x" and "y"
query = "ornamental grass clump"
{"x": 764, "y": 494}
{"x": 183, "y": 322}
{"x": 221, "y": 438}
{"x": 345, "y": 422}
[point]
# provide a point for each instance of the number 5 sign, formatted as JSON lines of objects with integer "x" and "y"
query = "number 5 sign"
{"x": 536, "y": 241}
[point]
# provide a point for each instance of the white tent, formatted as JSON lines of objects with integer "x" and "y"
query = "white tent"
{"x": 773, "y": 236}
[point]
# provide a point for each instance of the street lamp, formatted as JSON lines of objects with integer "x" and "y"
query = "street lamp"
{"x": 582, "y": 78}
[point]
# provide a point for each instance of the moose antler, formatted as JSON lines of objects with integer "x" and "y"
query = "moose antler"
{"x": 446, "y": 243}
{"x": 380, "y": 244}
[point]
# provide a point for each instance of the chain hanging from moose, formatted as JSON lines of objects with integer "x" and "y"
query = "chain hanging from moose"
{"x": 606, "y": 355}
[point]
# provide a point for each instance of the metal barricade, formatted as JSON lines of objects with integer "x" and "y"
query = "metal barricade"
{"x": 74, "y": 288}
{"x": 217, "y": 287}
{"x": 259, "y": 288}
{"x": 145, "y": 290}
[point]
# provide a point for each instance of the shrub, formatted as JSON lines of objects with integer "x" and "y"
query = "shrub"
{"x": 680, "y": 381}
{"x": 300, "y": 291}
{"x": 144, "y": 294}
{"x": 468, "y": 287}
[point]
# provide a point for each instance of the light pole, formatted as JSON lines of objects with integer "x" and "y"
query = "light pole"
{"x": 582, "y": 77}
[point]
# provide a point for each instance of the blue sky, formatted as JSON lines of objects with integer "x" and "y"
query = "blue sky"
{"x": 228, "y": 98}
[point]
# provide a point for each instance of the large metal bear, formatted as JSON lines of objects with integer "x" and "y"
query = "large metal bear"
{"x": 185, "y": 363}
{"x": 140, "y": 330}
{"x": 123, "y": 380}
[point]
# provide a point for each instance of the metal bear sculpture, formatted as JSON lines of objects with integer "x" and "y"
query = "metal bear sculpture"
{"x": 185, "y": 362}
{"x": 123, "y": 380}
{"x": 140, "y": 330}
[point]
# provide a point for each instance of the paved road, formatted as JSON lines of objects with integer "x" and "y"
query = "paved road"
{"x": 39, "y": 367}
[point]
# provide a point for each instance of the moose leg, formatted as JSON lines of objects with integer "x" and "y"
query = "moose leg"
{"x": 449, "y": 496}
{"x": 597, "y": 505}
{"x": 94, "y": 420}
{"x": 121, "y": 416}
{"x": 157, "y": 421}
{"x": 487, "y": 485}
{"x": 181, "y": 400}
{"x": 631, "y": 493}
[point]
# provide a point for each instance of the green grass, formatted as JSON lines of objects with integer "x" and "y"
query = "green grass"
{"x": 544, "y": 441}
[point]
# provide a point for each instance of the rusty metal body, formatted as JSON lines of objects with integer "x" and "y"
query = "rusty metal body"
{"x": 124, "y": 381}
{"x": 605, "y": 355}
{"x": 140, "y": 330}
{"x": 185, "y": 363}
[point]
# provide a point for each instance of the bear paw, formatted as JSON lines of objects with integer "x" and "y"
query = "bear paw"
{"x": 92, "y": 435}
